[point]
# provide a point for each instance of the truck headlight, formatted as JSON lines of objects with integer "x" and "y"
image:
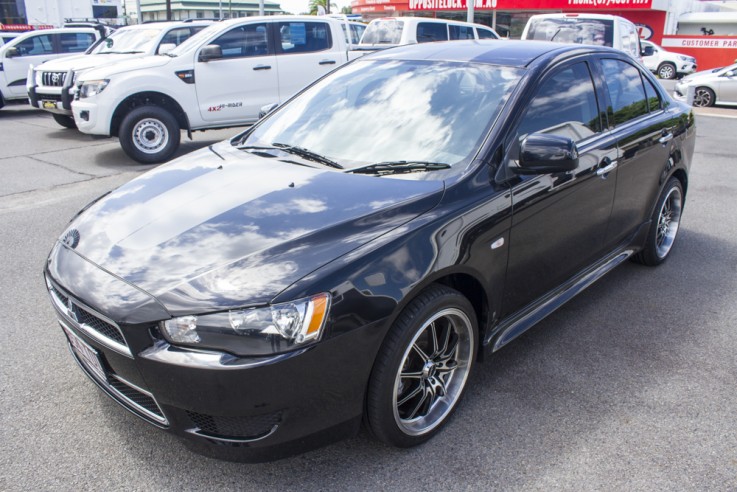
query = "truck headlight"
{"x": 90, "y": 88}
{"x": 253, "y": 331}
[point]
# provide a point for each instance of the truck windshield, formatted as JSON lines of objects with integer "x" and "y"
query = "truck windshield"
{"x": 574, "y": 30}
{"x": 389, "y": 111}
{"x": 128, "y": 41}
{"x": 383, "y": 32}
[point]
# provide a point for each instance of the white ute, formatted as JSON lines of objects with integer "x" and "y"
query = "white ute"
{"x": 51, "y": 84}
{"x": 220, "y": 77}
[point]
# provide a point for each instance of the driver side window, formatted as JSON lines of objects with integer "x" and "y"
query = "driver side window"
{"x": 244, "y": 41}
{"x": 565, "y": 105}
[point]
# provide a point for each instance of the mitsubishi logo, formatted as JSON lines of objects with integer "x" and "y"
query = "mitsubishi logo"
{"x": 70, "y": 311}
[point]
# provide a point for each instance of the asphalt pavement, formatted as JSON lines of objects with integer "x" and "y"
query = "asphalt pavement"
{"x": 631, "y": 386}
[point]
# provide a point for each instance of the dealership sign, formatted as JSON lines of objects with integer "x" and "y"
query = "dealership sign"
{"x": 525, "y": 4}
{"x": 702, "y": 42}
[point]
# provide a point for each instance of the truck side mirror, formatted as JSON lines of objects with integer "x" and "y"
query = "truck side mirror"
{"x": 210, "y": 52}
{"x": 165, "y": 48}
{"x": 12, "y": 52}
{"x": 647, "y": 51}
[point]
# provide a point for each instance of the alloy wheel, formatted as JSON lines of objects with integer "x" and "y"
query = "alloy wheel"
{"x": 669, "y": 220}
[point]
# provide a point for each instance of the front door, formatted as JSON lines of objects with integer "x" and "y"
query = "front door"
{"x": 232, "y": 89}
{"x": 33, "y": 50}
{"x": 560, "y": 220}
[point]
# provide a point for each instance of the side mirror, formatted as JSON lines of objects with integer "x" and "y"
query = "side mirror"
{"x": 12, "y": 52}
{"x": 210, "y": 52}
{"x": 267, "y": 109}
{"x": 647, "y": 51}
{"x": 547, "y": 154}
{"x": 166, "y": 48}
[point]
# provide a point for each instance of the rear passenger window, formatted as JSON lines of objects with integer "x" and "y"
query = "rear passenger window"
{"x": 485, "y": 34}
{"x": 626, "y": 92}
{"x": 564, "y": 105}
{"x": 460, "y": 32}
{"x": 431, "y": 31}
{"x": 304, "y": 37}
{"x": 76, "y": 42}
{"x": 653, "y": 99}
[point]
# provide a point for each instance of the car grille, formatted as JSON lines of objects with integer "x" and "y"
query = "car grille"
{"x": 88, "y": 321}
{"x": 133, "y": 398}
{"x": 235, "y": 428}
{"x": 49, "y": 97}
{"x": 53, "y": 79}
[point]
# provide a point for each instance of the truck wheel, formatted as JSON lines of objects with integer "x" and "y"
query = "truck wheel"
{"x": 149, "y": 134}
{"x": 667, "y": 71}
{"x": 64, "y": 120}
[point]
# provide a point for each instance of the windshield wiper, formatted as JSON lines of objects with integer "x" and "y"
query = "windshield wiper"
{"x": 307, "y": 154}
{"x": 399, "y": 167}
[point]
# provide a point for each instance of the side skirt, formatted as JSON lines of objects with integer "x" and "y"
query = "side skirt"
{"x": 530, "y": 315}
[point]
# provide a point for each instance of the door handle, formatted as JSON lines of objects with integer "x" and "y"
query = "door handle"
{"x": 327, "y": 62}
{"x": 262, "y": 67}
{"x": 609, "y": 166}
{"x": 667, "y": 137}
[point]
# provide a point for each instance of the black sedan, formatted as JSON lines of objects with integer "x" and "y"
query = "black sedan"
{"x": 350, "y": 257}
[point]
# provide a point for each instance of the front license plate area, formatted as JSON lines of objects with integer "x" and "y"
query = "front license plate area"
{"x": 49, "y": 104}
{"x": 89, "y": 357}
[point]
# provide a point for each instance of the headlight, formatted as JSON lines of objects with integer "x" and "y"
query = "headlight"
{"x": 254, "y": 331}
{"x": 684, "y": 58}
{"x": 91, "y": 88}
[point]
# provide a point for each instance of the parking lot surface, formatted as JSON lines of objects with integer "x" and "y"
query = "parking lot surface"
{"x": 631, "y": 386}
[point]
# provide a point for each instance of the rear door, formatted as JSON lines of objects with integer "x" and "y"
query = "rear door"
{"x": 644, "y": 130}
{"x": 560, "y": 220}
{"x": 232, "y": 89}
{"x": 304, "y": 54}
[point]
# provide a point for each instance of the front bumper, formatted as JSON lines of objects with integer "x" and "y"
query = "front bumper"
{"x": 92, "y": 117}
{"x": 686, "y": 68}
{"x": 243, "y": 409}
{"x": 54, "y": 99}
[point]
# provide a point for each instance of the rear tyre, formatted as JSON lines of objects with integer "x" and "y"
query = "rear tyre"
{"x": 64, "y": 120}
{"x": 664, "y": 227}
{"x": 704, "y": 97}
{"x": 422, "y": 368}
{"x": 667, "y": 71}
{"x": 149, "y": 134}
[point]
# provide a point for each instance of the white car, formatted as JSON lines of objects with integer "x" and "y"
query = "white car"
{"x": 710, "y": 87}
{"x": 34, "y": 48}
{"x": 395, "y": 31}
{"x": 666, "y": 64}
{"x": 51, "y": 86}
{"x": 220, "y": 77}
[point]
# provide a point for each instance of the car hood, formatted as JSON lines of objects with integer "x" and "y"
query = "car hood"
{"x": 84, "y": 62}
{"x": 127, "y": 65}
{"x": 702, "y": 76}
{"x": 223, "y": 228}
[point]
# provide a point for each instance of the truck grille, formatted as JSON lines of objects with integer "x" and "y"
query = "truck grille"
{"x": 53, "y": 79}
{"x": 89, "y": 321}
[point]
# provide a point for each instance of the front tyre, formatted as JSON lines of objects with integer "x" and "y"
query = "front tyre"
{"x": 664, "y": 227}
{"x": 667, "y": 71}
{"x": 422, "y": 368}
{"x": 703, "y": 97}
{"x": 64, "y": 120}
{"x": 149, "y": 134}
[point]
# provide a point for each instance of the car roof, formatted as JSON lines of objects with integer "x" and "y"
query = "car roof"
{"x": 496, "y": 52}
{"x": 166, "y": 25}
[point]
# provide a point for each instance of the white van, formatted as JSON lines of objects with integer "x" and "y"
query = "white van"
{"x": 395, "y": 31}
{"x": 599, "y": 29}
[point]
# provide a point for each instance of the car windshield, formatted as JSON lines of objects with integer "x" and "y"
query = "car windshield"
{"x": 128, "y": 41}
{"x": 572, "y": 30}
{"x": 383, "y": 32}
{"x": 388, "y": 111}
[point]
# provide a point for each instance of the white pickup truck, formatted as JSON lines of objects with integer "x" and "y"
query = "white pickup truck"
{"x": 218, "y": 78}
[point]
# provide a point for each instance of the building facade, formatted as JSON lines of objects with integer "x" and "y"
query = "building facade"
{"x": 155, "y": 10}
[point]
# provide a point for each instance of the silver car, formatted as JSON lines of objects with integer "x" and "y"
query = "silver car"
{"x": 714, "y": 86}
